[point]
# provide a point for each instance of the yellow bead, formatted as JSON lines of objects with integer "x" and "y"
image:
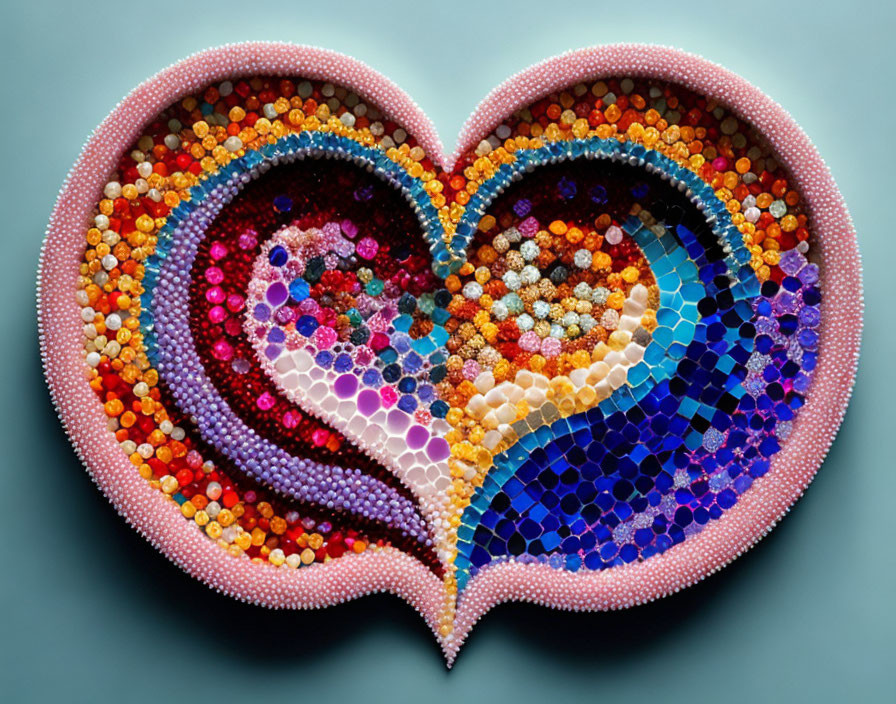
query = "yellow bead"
{"x": 315, "y": 541}
{"x": 630, "y": 274}
{"x": 615, "y": 300}
{"x": 618, "y": 339}
{"x": 789, "y": 223}
{"x": 243, "y": 540}
{"x": 145, "y": 223}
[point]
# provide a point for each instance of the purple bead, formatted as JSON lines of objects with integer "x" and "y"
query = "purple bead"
{"x": 808, "y": 339}
{"x": 417, "y": 437}
{"x": 810, "y": 316}
{"x": 438, "y": 449}
{"x": 284, "y": 315}
{"x": 522, "y": 207}
{"x": 791, "y": 262}
{"x": 261, "y": 312}
{"x": 809, "y": 274}
{"x": 346, "y": 385}
{"x": 368, "y": 402}
{"x": 277, "y": 293}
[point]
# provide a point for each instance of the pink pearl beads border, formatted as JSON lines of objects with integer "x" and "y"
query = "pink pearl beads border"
{"x": 160, "y": 521}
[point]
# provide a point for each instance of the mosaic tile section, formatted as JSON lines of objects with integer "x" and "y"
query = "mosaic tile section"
{"x": 653, "y": 465}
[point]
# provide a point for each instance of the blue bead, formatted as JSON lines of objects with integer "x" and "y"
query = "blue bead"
{"x": 343, "y": 363}
{"x": 278, "y": 256}
{"x": 283, "y": 204}
{"x": 408, "y": 404}
{"x": 299, "y": 289}
{"x": 306, "y": 325}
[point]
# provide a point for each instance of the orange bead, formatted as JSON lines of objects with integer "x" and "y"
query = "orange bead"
{"x": 113, "y": 408}
{"x": 558, "y": 227}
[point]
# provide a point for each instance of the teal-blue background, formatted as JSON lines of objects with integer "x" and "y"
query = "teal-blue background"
{"x": 91, "y": 613}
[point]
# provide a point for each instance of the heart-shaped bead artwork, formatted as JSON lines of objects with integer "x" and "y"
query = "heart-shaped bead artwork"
{"x": 585, "y": 361}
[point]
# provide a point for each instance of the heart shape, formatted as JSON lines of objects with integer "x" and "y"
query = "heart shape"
{"x": 576, "y": 370}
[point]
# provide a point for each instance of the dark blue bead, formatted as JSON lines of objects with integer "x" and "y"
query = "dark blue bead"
{"x": 306, "y": 325}
{"x": 683, "y": 516}
{"x": 283, "y": 204}
{"x": 278, "y": 256}
{"x": 726, "y": 498}
{"x": 628, "y": 553}
{"x": 407, "y": 385}
{"x": 598, "y": 194}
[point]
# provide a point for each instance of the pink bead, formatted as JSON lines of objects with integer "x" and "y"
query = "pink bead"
{"x": 218, "y": 250}
{"x": 550, "y": 347}
{"x": 222, "y": 350}
{"x": 214, "y": 275}
{"x": 215, "y": 295}
{"x": 528, "y": 227}
{"x": 217, "y": 314}
{"x": 389, "y": 396}
{"x": 266, "y": 401}
{"x": 471, "y": 369}
{"x": 529, "y": 341}
{"x": 235, "y": 302}
{"x": 367, "y": 248}
{"x": 325, "y": 337}
{"x": 248, "y": 239}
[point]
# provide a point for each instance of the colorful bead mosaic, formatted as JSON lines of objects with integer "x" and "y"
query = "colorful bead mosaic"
{"x": 579, "y": 347}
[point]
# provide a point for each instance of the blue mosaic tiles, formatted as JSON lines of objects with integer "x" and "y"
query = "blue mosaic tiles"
{"x": 697, "y": 422}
